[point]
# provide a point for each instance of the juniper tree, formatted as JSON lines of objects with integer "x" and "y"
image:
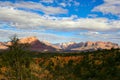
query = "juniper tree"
{"x": 17, "y": 60}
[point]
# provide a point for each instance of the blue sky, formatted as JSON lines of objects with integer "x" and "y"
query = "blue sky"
{"x": 61, "y": 20}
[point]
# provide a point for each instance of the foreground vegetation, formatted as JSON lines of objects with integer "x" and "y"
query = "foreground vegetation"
{"x": 20, "y": 64}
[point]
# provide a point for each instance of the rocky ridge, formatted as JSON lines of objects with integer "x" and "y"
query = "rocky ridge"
{"x": 3, "y": 46}
{"x": 89, "y": 46}
{"x": 41, "y": 46}
{"x": 34, "y": 44}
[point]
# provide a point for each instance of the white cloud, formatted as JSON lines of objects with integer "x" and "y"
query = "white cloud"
{"x": 109, "y": 6}
{"x": 93, "y": 15}
{"x": 69, "y": 3}
{"x": 53, "y": 38}
{"x": 35, "y": 6}
{"x": 22, "y": 19}
{"x": 63, "y": 4}
{"x": 94, "y": 34}
{"x": 101, "y": 36}
{"x": 47, "y": 1}
{"x": 28, "y": 20}
{"x": 90, "y": 33}
{"x": 18, "y": 18}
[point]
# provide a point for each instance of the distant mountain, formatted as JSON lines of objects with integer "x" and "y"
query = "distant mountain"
{"x": 87, "y": 46}
{"x": 52, "y": 45}
{"x": 41, "y": 46}
{"x": 3, "y": 46}
{"x": 34, "y": 44}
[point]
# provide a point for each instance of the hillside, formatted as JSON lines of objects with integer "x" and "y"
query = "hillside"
{"x": 97, "y": 65}
{"x": 18, "y": 63}
{"x": 34, "y": 44}
{"x": 87, "y": 46}
{"x": 43, "y": 46}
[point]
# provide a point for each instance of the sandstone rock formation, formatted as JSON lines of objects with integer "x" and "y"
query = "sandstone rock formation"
{"x": 88, "y": 46}
{"x": 3, "y": 46}
{"x": 34, "y": 44}
{"x": 37, "y": 45}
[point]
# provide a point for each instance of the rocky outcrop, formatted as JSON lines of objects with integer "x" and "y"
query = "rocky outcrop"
{"x": 36, "y": 45}
{"x": 3, "y": 46}
{"x": 90, "y": 46}
{"x": 28, "y": 40}
{"x": 66, "y": 45}
{"x": 52, "y": 45}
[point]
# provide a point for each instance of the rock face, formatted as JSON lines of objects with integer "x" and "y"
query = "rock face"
{"x": 67, "y": 45}
{"x": 3, "y": 46}
{"x": 28, "y": 40}
{"x": 36, "y": 45}
{"x": 52, "y": 45}
{"x": 88, "y": 46}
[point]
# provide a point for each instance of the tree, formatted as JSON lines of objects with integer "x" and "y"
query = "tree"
{"x": 17, "y": 61}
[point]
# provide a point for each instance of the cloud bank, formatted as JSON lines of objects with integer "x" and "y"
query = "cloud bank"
{"x": 27, "y": 20}
{"x": 35, "y": 6}
{"x": 36, "y": 16}
{"x": 109, "y": 7}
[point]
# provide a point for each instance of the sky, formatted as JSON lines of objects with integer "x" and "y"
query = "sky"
{"x": 60, "y": 21}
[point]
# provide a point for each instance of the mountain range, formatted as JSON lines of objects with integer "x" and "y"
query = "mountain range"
{"x": 43, "y": 46}
{"x": 87, "y": 46}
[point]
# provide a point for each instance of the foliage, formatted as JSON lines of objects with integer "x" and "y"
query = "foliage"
{"x": 104, "y": 64}
{"x": 18, "y": 63}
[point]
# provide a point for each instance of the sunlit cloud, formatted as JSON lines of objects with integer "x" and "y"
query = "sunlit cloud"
{"x": 55, "y": 20}
{"x": 109, "y": 7}
{"x": 27, "y": 20}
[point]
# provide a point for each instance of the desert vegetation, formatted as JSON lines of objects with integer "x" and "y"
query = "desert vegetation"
{"x": 18, "y": 63}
